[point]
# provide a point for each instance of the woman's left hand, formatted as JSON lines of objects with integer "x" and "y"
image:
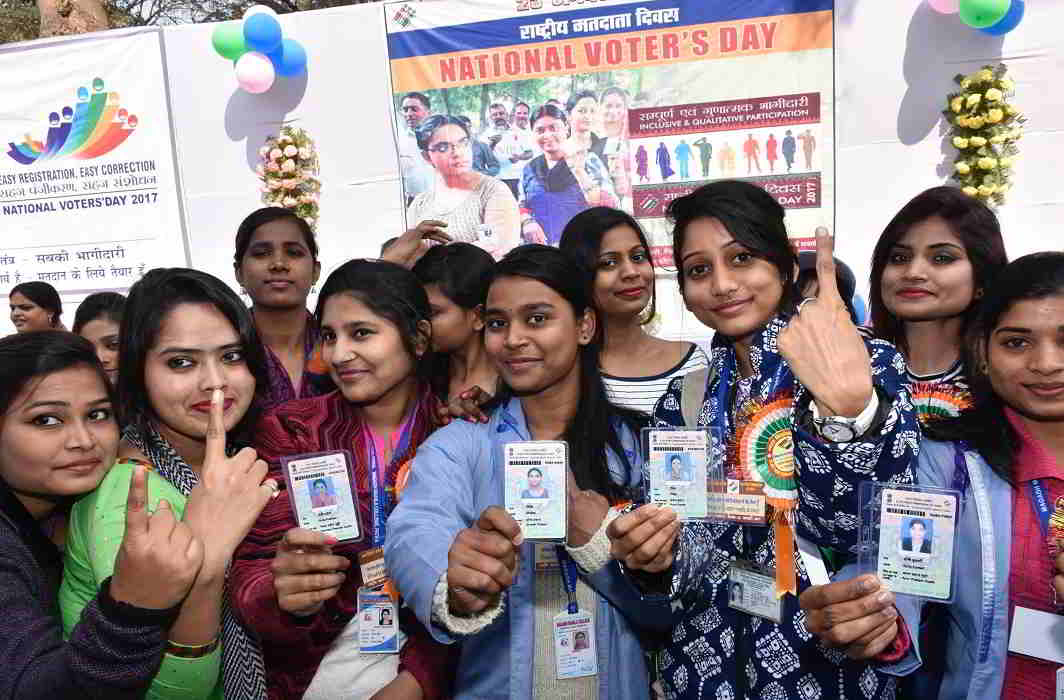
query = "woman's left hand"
{"x": 822, "y": 346}
{"x": 404, "y": 687}
{"x": 587, "y": 509}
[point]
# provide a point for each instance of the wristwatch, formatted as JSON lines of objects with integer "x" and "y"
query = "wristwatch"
{"x": 843, "y": 429}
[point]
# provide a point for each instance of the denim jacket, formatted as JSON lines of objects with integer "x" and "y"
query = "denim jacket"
{"x": 457, "y": 473}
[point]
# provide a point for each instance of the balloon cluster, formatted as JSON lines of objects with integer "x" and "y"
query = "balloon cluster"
{"x": 994, "y": 17}
{"x": 258, "y": 50}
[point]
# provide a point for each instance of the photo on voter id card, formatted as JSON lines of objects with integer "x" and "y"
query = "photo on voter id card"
{"x": 535, "y": 488}
{"x": 320, "y": 489}
{"x": 676, "y": 469}
{"x": 912, "y": 535}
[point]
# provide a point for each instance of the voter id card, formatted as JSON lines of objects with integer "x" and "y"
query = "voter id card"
{"x": 536, "y": 477}
{"x": 320, "y": 488}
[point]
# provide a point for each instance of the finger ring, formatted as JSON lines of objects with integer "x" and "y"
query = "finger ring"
{"x": 802, "y": 303}
{"x": 458, "y": 589}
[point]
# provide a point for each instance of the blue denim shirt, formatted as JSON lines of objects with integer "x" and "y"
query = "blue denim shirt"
{"x": 972, "y": 664}
{"x": 457, "y": 473}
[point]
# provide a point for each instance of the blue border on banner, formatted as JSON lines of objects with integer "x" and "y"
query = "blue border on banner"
{"x": 506, "y": 32}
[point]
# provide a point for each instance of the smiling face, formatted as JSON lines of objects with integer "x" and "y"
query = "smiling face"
{"x": 277, "y": 269}
{"x": 450, "y": 151}
{"x": 196, "y": 351}
{"x": 452, "y": 326}
{"x": 26, "y": 316}
{"x": 102, "y": 332}
{"x": 624, "y": 278}
{"x": 583, "y": 115}
{"x": 928, "y": 275}
{"x": 1025, "y": 358}
{"x": 365, "y": 352}
{"x": 58, "y": 438}
{"x": 549, "y": 134}
{"x": 725, "y": 285}
{"x": 533, "y": 336}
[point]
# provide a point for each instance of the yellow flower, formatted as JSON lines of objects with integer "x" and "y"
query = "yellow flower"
{"x": 1005, "y": 162}
{"x": 962, "y": 122}
{"x": 987, "y": 163}
{"x": 995, "y": 115}
{"x": 966, "y": 83}
{"x": 1003, "y": 188}
{"x": 970, "y": 191}
{"x": 963, "y": 168}
{"x": 1007, "y": 85}
{"x": 960, "y": 142}
{"x": 977, "y": 141}
{"x": 1011, "y": 111}
{"x": 1000, "y": 138}
{"x": 986, "y": 190}
{"x": 974, "y": 100}
{"x": 976, "y": 123}
{"x": 956, "y": 104}
{"x": 985, "y": 75}
{"x": 993, "y": 95}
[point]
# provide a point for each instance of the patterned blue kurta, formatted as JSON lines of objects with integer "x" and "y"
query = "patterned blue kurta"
{"x": 712, "y": 643}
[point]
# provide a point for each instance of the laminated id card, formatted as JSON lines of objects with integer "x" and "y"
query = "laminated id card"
{"x": 378, "y": 624}
{"x": 536, "y": 475}
{"x": 678, "y": 467}
{"x": 753, "y": 590}
{"x": 907, "y": 537}
{"x": 323, "y": 498}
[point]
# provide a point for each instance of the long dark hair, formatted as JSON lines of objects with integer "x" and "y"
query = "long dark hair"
{"x": 969, "y": 219}
{"x": 752, "y": 216}
{"x": 43, "y": 295}
{"x": 266, "y": 215}
{"x": 391, "y": 291}
{"x": 107, "y": 305}
{"x": 984, "y": 426}
{"x": 583, "y": 234}
{"x": 150, "y": 300}
{"x": 594, "y": 427}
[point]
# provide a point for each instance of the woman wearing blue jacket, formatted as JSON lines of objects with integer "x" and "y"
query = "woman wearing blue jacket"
{"x": 459, "y": 559}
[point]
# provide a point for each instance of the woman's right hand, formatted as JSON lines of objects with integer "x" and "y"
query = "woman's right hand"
{"x": 160, "y": 556}
{"x": 465, "y": 405}
{"x": 643, "y": 539}
{"x": 230, "y": 495}
{"x": 482, "y": 562}
{"x": 305, "y": 571}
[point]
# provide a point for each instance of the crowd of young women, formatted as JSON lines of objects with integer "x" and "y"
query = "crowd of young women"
{"x": 149, "y": 546}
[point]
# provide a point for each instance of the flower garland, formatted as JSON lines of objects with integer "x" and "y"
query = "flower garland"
{"x": 985, "y": 129}
{"x": 288, "y": 172}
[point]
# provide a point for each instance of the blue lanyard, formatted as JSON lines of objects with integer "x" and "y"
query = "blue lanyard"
{"x": 568, "y": 578}
{"x": 380, "y": 501}
{"x": 1040, "y": 503}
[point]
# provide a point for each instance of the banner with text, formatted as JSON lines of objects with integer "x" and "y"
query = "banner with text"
{"x": 513, "y": 117}
{"x": 88, "y": 187}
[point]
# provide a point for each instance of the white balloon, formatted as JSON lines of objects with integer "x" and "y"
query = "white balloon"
{"x": 256, "y": 9}
{"x": 254, "y": 72}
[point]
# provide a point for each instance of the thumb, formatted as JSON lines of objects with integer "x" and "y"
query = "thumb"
{"x": 137, "y": 502}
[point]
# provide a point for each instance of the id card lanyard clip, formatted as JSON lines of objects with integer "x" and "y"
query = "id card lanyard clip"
{"x": 568, "y": 567}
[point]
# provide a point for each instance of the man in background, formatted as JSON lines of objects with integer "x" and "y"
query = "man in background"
{"x": 416, "y": 171}
{"x": 511, "y": 143}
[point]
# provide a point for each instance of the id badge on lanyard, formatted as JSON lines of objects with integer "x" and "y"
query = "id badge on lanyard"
{"x": 574, "y": 629}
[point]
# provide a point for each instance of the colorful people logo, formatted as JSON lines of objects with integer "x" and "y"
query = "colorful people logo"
{"x": 96, "y": 125}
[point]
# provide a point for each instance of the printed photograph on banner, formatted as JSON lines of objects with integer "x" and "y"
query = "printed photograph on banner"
{"x": 88, "y": 187}
{"x": 535, "y": 497}
{"x": 512, "y": 117}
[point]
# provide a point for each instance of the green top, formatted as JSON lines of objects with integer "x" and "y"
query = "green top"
{"x": 97, "y": 523}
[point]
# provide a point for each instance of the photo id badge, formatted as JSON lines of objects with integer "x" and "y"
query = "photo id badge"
{"x": 378, "y": 624}
{"x": 906, "y": 538}
{"x": 677, "y": 460}
{"x": 752, "y": 589}
{"x": 320, "y": 489}
{"x": 535, "y": 488}
{"x": 371, "y": 564}
{"x": 574, "y": 645}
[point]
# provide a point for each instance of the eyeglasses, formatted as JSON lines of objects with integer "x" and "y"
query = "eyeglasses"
{"x": 446, "y": 146}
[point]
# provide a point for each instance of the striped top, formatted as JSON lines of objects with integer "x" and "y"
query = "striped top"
{"x": 642, "y": 393}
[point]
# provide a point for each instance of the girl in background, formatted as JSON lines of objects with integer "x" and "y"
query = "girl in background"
{"x": 97, "y": 320}
{"x": 35, "y": 306}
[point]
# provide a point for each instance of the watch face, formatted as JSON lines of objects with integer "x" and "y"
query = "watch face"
{"x": 837, "y": 432}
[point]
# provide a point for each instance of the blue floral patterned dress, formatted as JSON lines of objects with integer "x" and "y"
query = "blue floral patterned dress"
{"x": 716, "y": 652}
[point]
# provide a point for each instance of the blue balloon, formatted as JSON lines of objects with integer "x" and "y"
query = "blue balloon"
{"x": 290, "y": 60}
{"x": 262, "y": 32}
{"x": 1009, "y": 22}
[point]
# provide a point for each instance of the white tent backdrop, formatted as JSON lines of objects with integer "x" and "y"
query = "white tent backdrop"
{"x": 895, "y": 63}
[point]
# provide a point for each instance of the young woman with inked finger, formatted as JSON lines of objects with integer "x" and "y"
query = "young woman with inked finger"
{"x": 189, "y": 362}
{"x": 809, "y": 409}
{"x": 298, "y": 589}
{"x": 1006, "y": 454}
{"x": 932, "y": 263}
{"x": 636, "y": 366}
{"x": 459, "y": 558}
{"x": 58, "y": 438}
{"x": 276, "y": 263}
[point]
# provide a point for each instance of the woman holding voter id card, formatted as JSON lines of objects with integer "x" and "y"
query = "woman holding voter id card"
{"x": 189, "y": 363}
{"x": 806, "y": 409}
{"x": 499, "y": 541}
{"x": 310, "y": 577}
{"x": 1003, "y": 634}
